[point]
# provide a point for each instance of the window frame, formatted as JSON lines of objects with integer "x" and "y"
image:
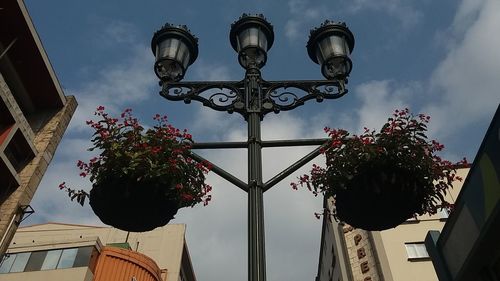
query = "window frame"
{"x": 417, "y": 247}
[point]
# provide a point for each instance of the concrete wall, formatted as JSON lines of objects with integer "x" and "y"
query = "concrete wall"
{"x": 67, "y": 274}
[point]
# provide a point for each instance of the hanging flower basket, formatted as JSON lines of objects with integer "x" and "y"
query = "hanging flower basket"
{"x": 141, "y": 177}
{"x": 380, "y": 198}
{"x": 380, "y": 179}
{"x": 133, "y": 206}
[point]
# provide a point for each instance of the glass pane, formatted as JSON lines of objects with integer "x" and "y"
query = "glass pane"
{"x": 339, "y": 46}
{"x": 421, "y": 250}
{"x": 167, "y": 48}
{"x": 443, "y": 213}
{"x": 182, "y": 55}
{"x": 254, "y": 36}
{"x": 410, "y": 249}
{"x": 36, "y": 260}
{"x": 51, "y": 259}
{"x": 67, "y": 258}
{"x": 416, "y": 250}
{"x": 7, "y": 263}
{"x": 83, "y": 256}
{"x": 262, "y": 40}
{"x": 20, "y": 262}
{"x": 330, "y": 47}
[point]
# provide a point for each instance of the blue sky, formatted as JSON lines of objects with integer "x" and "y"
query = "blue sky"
{"x": 435, "y": 57}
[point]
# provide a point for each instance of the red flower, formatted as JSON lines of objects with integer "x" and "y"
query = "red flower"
{"x": 187, "y": 197}
{"x": 127, "y": 149}
{"x": 156, "y": 149}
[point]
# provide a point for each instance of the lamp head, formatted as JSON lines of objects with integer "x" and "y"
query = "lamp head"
{"x": 175, "y": 49}
{"x": 251, "y": 37}
{"x": 330, "y": 45}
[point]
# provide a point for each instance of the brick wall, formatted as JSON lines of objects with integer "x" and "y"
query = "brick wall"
{"x": 45, "y": 143}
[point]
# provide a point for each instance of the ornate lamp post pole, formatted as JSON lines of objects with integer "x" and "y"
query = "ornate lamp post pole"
{"x": 252, "y": 36}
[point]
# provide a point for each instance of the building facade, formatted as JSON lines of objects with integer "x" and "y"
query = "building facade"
{"x": 34, "y": 113}
{"x": 397, "y": 254}
{"x": 467, "y": 247}
{"x": 66, "y": 252}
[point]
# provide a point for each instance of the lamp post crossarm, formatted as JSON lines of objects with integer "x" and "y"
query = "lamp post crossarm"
{"x": 219, "y": 145}
{"x": 295, "y": 166}
{"x": 221, "y": 172}
{"x": 273, "y": 143}
{"x": 296, "y": 142}
{"x": 276, "y": 96}
{"x": 264, "y": 144}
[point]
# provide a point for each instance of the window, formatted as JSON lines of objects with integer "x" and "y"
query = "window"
{"x": 20, "y": 262}
{"x": 67, "y": 258}
{"x": 443, "y": 213}
{"x": 6, "y": 119}
{"x": 9, "y": 182}
{"x": 46, "y": 260}
{"x": 83, "y": 256}
{"x": 36, "y": 260}
{"x": 14, "y": 262}
{"x": 416, "y": 251}
{"x": 51, "y": 259}
{"x": 7, "y": 262}
{"x": 18, "y": 151}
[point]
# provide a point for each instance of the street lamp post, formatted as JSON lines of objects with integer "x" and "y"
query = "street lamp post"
{"x": 252, "y": 36}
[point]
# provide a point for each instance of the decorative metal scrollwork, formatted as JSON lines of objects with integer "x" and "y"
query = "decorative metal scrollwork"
{"x": 275, "y": 96}
{"x": 221, "y": 96}
{"x": 287, "y": 95}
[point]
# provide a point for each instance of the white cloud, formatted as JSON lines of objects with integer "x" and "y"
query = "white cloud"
{"x": 51, "y": 204}
{"x": 378, "y": 101}
{"x": 466, "y": 81}
{"x": 115, "y": 85}
{"x": 466, "y": 15}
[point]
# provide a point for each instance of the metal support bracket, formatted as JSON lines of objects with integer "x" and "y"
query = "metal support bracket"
{"x": 25, "y": 211}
